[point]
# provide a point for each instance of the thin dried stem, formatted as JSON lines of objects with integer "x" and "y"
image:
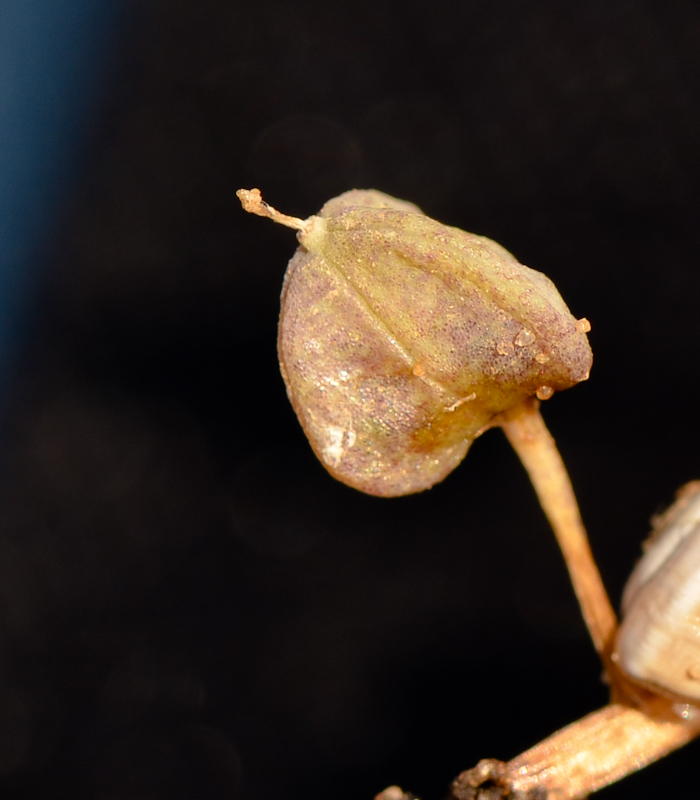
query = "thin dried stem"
{"x": 527, "y": 433}
{"x": 252, "y": 202}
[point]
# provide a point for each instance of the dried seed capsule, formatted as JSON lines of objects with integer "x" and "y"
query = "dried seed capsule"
{"x": 400, "y": 338}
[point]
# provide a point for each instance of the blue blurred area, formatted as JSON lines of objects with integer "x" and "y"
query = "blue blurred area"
{"x": 52, "y": 54}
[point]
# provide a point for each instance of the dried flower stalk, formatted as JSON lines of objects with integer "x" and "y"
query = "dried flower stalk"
{"x": 529, "y": 437}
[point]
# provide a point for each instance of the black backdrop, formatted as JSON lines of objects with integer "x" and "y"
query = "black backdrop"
{"x": 192, "y": 607}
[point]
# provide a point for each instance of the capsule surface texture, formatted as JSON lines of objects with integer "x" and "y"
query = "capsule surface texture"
{"x": 400, "y": 338}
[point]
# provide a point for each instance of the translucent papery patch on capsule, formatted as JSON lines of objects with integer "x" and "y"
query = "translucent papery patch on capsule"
{"x": 658, "y": 642}
{"x": 671, "y": 529}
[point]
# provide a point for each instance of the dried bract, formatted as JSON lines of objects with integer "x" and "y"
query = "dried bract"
{"x": 658, "y": 643}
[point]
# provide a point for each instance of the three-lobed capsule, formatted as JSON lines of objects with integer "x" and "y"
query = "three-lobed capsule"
{"x": 401, "y": 338}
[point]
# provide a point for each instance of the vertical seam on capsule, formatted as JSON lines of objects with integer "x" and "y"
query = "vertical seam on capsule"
{"x": 396, "y": 343}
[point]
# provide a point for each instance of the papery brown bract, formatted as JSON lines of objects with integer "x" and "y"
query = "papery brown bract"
{"x": 400, "y": 338}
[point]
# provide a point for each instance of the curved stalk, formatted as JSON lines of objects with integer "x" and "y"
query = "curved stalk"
{"x": 527, "y": 433}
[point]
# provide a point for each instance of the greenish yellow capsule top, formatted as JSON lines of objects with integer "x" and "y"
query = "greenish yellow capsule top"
{"x": 401, "y": 338}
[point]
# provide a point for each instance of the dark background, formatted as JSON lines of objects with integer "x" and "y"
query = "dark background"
{"x": 190, "y": 607}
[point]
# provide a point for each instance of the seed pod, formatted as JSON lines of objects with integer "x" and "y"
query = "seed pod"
{"x": 400, "y": 338}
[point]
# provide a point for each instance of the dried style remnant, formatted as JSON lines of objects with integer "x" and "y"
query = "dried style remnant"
{"x": 401, "y": 338}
